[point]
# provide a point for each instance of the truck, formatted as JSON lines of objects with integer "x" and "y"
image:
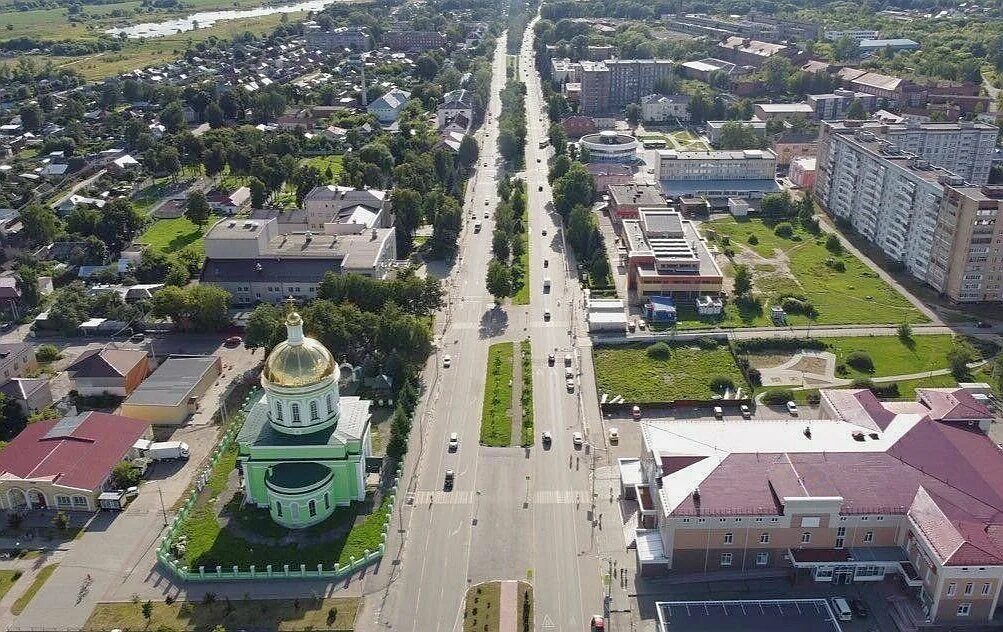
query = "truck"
{"x": 168, "y": 450}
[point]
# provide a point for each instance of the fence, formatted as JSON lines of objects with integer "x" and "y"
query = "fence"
{"x": 167, "y": 558}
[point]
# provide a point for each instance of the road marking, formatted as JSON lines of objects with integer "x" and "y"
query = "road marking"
{"x": 555, "y": 497}
{"x": 439, "y": 497}
{"x": 548, "y": 622}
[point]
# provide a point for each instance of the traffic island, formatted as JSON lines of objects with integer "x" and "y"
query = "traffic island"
{"x": 496, "y": 413}
{"x": 504, "y": 606}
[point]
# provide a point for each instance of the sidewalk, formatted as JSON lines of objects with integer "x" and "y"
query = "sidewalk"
{"x": 508, "y": 607}
{"x": 29, "y": 569}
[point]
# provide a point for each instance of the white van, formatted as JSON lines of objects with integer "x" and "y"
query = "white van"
{"x": 841, "y": 608}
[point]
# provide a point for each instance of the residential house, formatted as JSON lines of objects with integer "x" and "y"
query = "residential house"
{"x": 387, "y": 108}
{"x": 230, "y": 203}
{"x": 31, "y": 394}
{"x": 109, "y": 371}
{"x": 456, "y": 105}
{"x": 17, "y": 359}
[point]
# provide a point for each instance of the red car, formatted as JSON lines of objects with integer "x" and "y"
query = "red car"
{"x": 598, "y": 623}
{"x": 233, "y": 341}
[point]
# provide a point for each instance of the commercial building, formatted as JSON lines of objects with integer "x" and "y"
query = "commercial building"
{"x": 834, "y": 105}
{"x": 66, "y": 463}
{"x": 791, "y": 144}
{"x": 606, "y": 174}
{"x": 303, "y": 447}
{"x": 660, "y": 107}
{"x": 892, "y": 89}
{"x": 606, "y": 314}
{"x": 749, "y": 52}
{"x": 354, "y": 38}
{"x": 862, "y": 492}
{"x": 256, "y": 262}
{"x": 610, "y": 85}
{"x": 701, "y": 69}
{"x": 967, "y": 252}
{"x": 717, "y": 174}
{"x": 854, "y": 34}
{"x": 625, "y": 200}
{"x": 610, "y": 146}
{"x": 171, "y": 394}
{"x": 563, "y": 70}
{"x": 332, "y": 208}
{"x": 782, "y": 111}
{"x": 414, "y": 41}
{"x": 667, "y": 257}
{"x": 801, "y": 172}
{"x": 965, "y": 149}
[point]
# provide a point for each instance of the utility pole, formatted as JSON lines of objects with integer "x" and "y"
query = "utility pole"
{"x": 163, "y": 509}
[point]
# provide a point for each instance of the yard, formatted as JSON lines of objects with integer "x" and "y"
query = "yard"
{"x": 842, "y": 288}
{"x": 893, "y": 357}
{"x": 496, "y": 415}
{"x": 210, "y": 543}
{"x": 637, "y": 376}
{"x": 323, "y": 164}
{"x": 172, "y": 235}
{"x": 337, "y": 614}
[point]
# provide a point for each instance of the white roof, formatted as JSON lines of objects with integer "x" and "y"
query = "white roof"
{"x": 649, "y": 545}
{"x": 630, "y": 471}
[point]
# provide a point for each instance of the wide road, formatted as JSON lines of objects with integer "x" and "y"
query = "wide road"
{"x": 515, "y": 513}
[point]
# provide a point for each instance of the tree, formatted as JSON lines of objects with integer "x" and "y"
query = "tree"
{"x": 633, "y": 114}
{"x": 214, "y": 115}
{"x": 776, "y": 205}
{"x": 120, "y": 221}
{"x": 265, "y": 327}
{"x": 467, "y": 154}
{"x": 148, "y": 611}
{"x": 124, "y": 475}
{"x": 739, "y": 135}
{"x": 576, "y": 187}
{"x": 856, "y": 111}
{"x": 427, "y": 67}
{"x": 197, "y": 208}
{"x": 845, "y": 48}
{"x": 499, "y": 280}
{"x": 173, "y": 117}
{"x": 259, "y": 192}
{"x": 599, "y": 271}
{"x": 32, "y": 117}
{"x": 407, "y": 205}
{"x": 500, "y": 245}
{"x": 41, "y": 226}
{"x": 560, "y": 167}
{"x": 153, "y": 266}
{"x": 905, "y": 333}
{"x": 558, "y": 138}
{"x": 959, "y": 357}
{"x": 743, "y": 279}
{"x": 202, "y": 308}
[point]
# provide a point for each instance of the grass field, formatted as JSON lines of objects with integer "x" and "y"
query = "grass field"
{"x": 209, "y": 544}
{"x": 171, "y": 235}
{"x": 526, "y": 398}
{"x": 323, "y": 163}
{"x": 7, "y": 579}
{"x": 631, "y": 373}
{"x": 273, "y": 614}
{"x": 893, "y": 357}
{"x": 496, "y": 414}
{"x": 22, "y": 602}
{"x": 480, "y": 609}
{"x": 855, "y": 296}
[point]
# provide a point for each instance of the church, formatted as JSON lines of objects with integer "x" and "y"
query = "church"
{"x": 303, "y": 447}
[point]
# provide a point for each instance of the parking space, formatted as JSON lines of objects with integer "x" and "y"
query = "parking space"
{"x": 778, "y": 615}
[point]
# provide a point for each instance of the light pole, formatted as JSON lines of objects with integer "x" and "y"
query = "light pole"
{"x": 163, "y": 509}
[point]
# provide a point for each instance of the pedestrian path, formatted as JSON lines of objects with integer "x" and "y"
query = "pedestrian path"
{"x": 508, "y": 607}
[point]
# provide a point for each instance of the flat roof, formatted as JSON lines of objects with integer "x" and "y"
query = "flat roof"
{"x": 800, "y": 108}
{"x": 775, "y": 615}
{"x": 717, "y": 154}
{"x": 675, "y": 188}
{"x": 173, "y": 381}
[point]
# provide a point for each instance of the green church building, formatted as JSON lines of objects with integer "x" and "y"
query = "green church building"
{"x": 303, "y": 447}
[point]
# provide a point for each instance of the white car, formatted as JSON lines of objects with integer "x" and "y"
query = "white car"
{"x": 546, "y": 437}
{"x": 446, "y": 361}
{"x": 571, "y": 385}
{"x": 577, "y": 439}
{"x": 792, "y": 408}
{"x": 746, "y": 412}
{"x": 718, "y": 412}
{"x": 454, "y": 442}
{"x": 544, "y": 232}
{"x": 614, "y": 435}
{"x": 546, "y": 314}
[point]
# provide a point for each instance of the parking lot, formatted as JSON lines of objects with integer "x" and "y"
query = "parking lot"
{"x": 778, "y": 615}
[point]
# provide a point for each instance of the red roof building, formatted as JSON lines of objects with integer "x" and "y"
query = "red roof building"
{"x": 66, "y": 463}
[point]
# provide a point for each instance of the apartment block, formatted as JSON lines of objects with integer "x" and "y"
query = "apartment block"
{"x": 967, "y": 254}
{"x": 594, "y": 95}
{"x": 612, "y": 84}
{"x": 834, "y": 105}
{"x": 863, "y": 491}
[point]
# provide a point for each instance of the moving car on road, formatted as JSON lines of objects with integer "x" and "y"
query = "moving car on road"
{"x": 571, "y": 385}
{"x": 546, "y": 314}
{"x": 614, "y": 435}
{"x": 746, "y": 412}
{"x": 718, "y": 412}
{"x": 454, "y": 442}
{"x": 635, "y": 412}
{"x": 577, "y": 439}
{"x": 551, "y": 360}
{"x": 598, "y": 623}
{"x": 446, "y": 361}
{"x": 546, "y": 438}
{"x": 447, "y": 484}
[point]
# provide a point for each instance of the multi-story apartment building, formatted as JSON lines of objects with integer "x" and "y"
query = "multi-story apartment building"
{"x": 717, "y": 174}
{"x": 612, "y": 84}
{"x": 967, "y": 254}
{"x": 414, "y": 41}
{"x": 354, "y": 38}
{"x": 965, "y": 149}
{"x": 833, "y": 106}
{"x": 863, "y": 492}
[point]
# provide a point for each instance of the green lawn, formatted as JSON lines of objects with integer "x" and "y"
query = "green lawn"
{"x": 22, "y": 602}
{"x": 526, "y": 399}
{"x": 7, "y": 579}
{"x": 171, "y": 235}
{"x": 855, "y": 296}
{"x": 323, "y": 163}
{"x": 496, "y": 415}
{"x": 631, "y": 373}
{"x": 481, "y": 608}
{"x": 306, "y": 613}
{"x": 891, "y": 356}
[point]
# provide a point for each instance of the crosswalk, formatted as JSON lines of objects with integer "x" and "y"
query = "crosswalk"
{"x": 466, "y": 497}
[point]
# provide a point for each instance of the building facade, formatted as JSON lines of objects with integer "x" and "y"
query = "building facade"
{"x": 667, "y": 257}
{"x": 833, "y": 106}
{"x": 717, "y": 174}
{"x": 658, "y": 107}
{"x": 414, "y": 41}
{"x": 303, "y": 447}
{"x": 355, "y": 38}
{"x": 610, "y": 85}
{"x": 967, "y": 255}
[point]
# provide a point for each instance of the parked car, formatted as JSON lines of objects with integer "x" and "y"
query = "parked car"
{"x": 598, "y": 623}
{"x": 454, "y": 442}
{"x": 546, "y": 314}
{"x": 984, "y": 325}
{"x": 577, "y": 439}
{"x": 137, "y": 337}
{"x": 447, "y": 484}
{"x": 571, "y": 385}
{"x": 746, "y": 412}
{"x": 544, "y": 233}
{"x": 718, "y": 412}
{"x": 233, "y": 341}
{"x": 614, "y": 434}
{"x": 635, "y": 412}
{"x": 792, "y": 408}
{"x": 546, "y": 263}
{"x": 446, "y": 361}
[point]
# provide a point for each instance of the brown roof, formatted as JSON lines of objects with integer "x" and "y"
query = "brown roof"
{"x": 106, "y": 363}
{"x": 952, "y": 404}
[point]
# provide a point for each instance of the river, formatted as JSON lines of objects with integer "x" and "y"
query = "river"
{"x": 208, "y": 18}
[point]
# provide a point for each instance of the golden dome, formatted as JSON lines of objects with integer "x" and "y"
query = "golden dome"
{"x": 298, "y": 361}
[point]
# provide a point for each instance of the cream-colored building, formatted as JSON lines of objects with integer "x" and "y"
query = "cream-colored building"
{"x": 171, "y": 394}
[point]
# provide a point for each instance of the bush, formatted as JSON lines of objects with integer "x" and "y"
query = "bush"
{"x": 778, "y": 396}
{"x": 753, "y": 240}
{"x": 725, "y": 240}
{"x": 860, "y": 361}
{"x": 905, "y": 332}
{"x": 658, "y": 351}
{"x": 729, "y": 252}
{"x": 124, "y": 475}
{"x": 798, "y": 305}
{"x": 47, "y": 353}
{"x": 833, "y": 245}
{"x": 863, "y": 382}
{"x": 814, "y": 398}
{"x": 753, "y": 345}
{"x": 754, "y": 377}
{"x": 784, "y": 230}
{"x": 835, "y": 264}
{"x": 721, "y": 383}
{"x": 707, "y": 343}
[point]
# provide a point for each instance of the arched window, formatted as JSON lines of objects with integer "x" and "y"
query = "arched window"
{"x": 313, "y": 508}
{"x": 330, "y": 404}
{"x": 327, "y": 501}
{"x": 296, "y": 413}
{"x": 314, "y": 410}
{"x": 278, "y": 509}
{"x": 278, "y": 411}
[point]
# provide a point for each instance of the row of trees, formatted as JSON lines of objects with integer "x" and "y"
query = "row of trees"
{"x": 507, "y": 268}
{"x": 512, "y": 123}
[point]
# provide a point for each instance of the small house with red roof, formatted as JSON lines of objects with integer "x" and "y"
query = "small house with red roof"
{"x": 66, "y": 463}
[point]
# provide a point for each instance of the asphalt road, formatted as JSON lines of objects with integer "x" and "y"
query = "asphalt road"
{"x": 514, "y": 513}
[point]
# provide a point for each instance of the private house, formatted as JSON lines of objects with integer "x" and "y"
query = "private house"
{"x": 66, "y": 463}
{"x": 387, "y": 109}
{"x": 303, "y": 447}
{"x": 16, "y": 360}
{"x": 31, "y": 394}
{"x": 109, "y": 372}
{"x": 230, "y": 203}
{"x": 171, "y": 394}
{"x": 863, "y": 491}
{"x": 456, "y": 109}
